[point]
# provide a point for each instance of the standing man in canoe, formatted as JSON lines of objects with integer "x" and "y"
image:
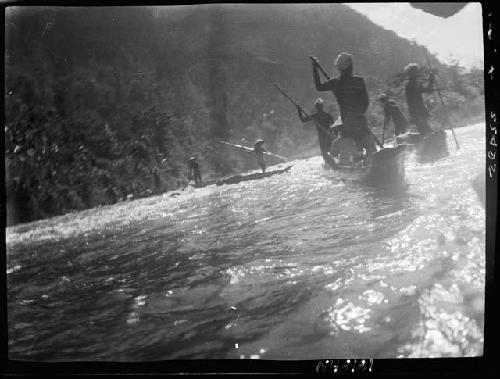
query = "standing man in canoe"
{"x": 392, "y": 112}
{"x": 416, "y": 107}
{"x": 194, "y": 168}
{"x": 352, "y": 97}
{"x": 322, "y": 120}
{"x": 259, "y": 151}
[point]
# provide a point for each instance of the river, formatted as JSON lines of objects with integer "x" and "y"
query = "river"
{"x": 295, "y": 266}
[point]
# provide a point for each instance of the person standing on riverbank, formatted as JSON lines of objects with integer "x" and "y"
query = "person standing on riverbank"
{"x": 322, "y": 120}
{"x": 194, "y": 169}
{"x": 352, "y": 97}
{"x": 416, "y": 107}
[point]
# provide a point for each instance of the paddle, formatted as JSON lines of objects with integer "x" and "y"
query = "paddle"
{"x": 443, "y": 105}
{"x": 249, "y": 149}
{"x": 383, "y": 130}
{"x": 314, "y": 59}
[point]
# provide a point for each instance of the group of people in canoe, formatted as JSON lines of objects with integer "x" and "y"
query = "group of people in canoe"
{"x": 348, "y": 140}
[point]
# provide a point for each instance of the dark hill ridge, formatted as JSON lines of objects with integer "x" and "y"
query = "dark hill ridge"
{"x": 105, "y": 102}
{"x": 252, "y": 39}
{"x": 287, "y": 34}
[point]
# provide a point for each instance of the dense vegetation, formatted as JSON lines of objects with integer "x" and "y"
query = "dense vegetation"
{"x": 106, "y": 103}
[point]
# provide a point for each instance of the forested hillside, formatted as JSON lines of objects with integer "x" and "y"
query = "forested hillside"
{"x": 104, "y": 103}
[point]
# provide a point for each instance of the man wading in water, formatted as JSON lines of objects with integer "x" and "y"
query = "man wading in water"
{"x": 415, "y": 101}
{"x": 194, "y": 168}
{"x": 392, "y": 112}
{"x": 351, "y": 95}
{"x": 259, "y": 151}
{"x": 322, "y": 120}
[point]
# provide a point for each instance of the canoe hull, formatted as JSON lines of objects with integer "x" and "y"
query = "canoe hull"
{"x": 387, "y": 169}
{"x": 433, "y": 147}
{"x": 429, "y": 148}
{"x": 254, "y": 176}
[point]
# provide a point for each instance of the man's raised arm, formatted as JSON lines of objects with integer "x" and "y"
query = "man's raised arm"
{"x": 317, "y": 81}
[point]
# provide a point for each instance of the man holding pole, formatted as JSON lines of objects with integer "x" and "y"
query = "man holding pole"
{"x": 352, "y": 97}
{"x": 416, "y": 107}
{"x": 323, "y": 121}
{"x": 259, "y": 151}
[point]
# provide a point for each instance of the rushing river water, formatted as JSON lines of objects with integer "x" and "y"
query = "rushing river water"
{"x": 296, "y": 266}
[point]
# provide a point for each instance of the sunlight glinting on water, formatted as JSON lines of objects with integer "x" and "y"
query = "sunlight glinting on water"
{"x": 296, "y": 266}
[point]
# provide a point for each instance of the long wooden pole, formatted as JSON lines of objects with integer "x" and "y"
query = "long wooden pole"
{"x": 249, "y": 149}
{"x": 289, "y": 98}
{"x": 383, "y": 130}
{"x": 443, "y": 105}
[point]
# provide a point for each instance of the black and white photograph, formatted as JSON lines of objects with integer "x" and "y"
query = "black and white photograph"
{"x": 292, "y": 181}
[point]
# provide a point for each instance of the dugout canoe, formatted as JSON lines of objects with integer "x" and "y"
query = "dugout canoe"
{"x": 429, "y": 148}
{"x": 253, "y": 176}
{"x": 387, "y": 169}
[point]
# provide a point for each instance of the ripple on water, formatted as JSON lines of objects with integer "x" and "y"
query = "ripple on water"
{"x": 372, "y": 297}
{"x": 346, "y": 316}
{"x": 444, "y": 330}
{"x": 260, "y": 265}
{"x": 13, "y": 269}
